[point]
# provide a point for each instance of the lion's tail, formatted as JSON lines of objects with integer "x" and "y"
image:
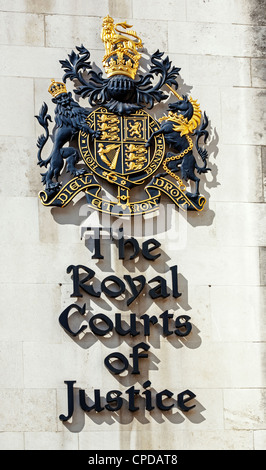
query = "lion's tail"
{"x": 44, "y": 177}
{"x": 43, "y": 118}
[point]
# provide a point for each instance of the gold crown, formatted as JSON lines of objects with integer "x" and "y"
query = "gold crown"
{"x": 121, "y": 55}
{"x": 56, "y": 88}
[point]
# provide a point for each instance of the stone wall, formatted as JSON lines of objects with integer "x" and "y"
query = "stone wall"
{"x": 219, "y": 252}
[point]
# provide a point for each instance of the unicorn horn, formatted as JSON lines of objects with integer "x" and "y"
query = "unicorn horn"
{"x": 175, "y": 93}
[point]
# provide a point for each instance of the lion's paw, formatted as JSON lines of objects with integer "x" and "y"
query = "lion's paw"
{"x": 53, "y": 186}
{"x": 79, "y": 172}
{"x": 97, "y": 134}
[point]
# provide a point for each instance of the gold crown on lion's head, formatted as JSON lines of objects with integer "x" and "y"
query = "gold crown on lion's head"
{"x": 56, "y": 88}
{"x": 108, "y": 20}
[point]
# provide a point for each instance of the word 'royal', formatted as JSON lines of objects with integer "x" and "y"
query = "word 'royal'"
{"x": 113, "y": 286}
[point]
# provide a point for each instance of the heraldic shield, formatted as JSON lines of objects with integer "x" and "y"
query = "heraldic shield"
{"x": 120, "y": 148}
{"x": 120, "y": 154}
{"x": 117, "y": 139}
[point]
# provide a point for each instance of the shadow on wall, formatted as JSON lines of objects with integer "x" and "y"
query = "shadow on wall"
{"x": 145, "y": 409}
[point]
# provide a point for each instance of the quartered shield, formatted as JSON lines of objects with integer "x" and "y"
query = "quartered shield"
{"x": 119, "y": 153}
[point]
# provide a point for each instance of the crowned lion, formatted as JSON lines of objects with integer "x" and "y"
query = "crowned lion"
{"x": 70, "y": 118}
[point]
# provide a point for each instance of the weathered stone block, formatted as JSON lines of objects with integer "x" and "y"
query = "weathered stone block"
{"x": 225, "y": 365}
{"x": 17, "y": 94}
{"x": 12, "y": 376}
{"x": 22, "y": 29}
{"x": 240, "y": 224}
{"x": 251, "y": 12}
{"x": 247, "y": 186}
{"x": 37, "y": 307}
{"x": 80, "y": 30}
{"x": 27, "y": 61}
{"x": 259, "y": 440}
{"x": 219, "y": 71}
{"x": 31, "y": 410}
{"x": 11, "y": 441}
{"x": 17, "y": 155}
{"x": 258, "y": 73}
{"x": 169, "y": 10}
{"x": 245, "y": 409}
{"x": 63, "y": 440}
{"x": 19, "y": 215}
{"x": 216, "y": 39}
{"x": 236, "y": 313}
{"x": 237, "y": 116}
{"x": 219, "y": 440}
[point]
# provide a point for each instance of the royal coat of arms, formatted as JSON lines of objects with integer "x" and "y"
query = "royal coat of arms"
{"x": 119, "y": 142}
